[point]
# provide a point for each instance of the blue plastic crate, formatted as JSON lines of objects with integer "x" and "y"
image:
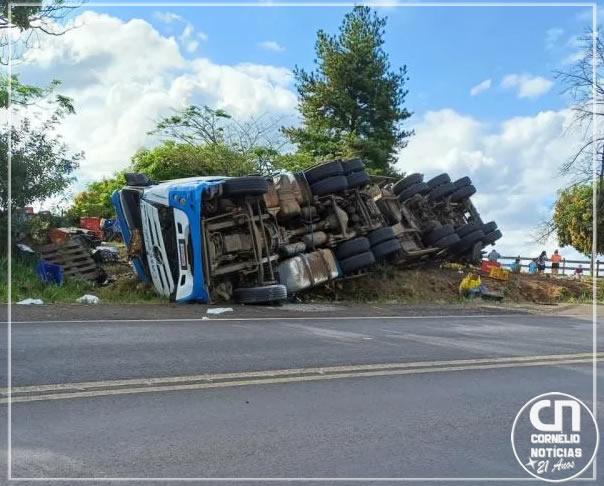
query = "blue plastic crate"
{"x": 50, "y": 272}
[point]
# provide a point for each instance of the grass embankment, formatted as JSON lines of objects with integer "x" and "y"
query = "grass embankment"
{"x": 26, "y": 283}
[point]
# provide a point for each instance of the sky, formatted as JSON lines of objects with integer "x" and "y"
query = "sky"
{"x": 482, "y": 88}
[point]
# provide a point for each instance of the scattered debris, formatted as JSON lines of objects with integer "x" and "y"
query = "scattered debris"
{"x": 50, "y": 272}
{"x": 219, "y": 310}
{"x": 106, "y": 254}
{"x": 88, "y": 299}
{"x": 77, "y": 262}
{"x": 30, "y": 301}
{"x": 25, "y": 250}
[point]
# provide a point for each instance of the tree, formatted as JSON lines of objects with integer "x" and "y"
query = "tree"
{"x": 202, "y": 125}
{"x": 573, "y": 219}
{"x": 574, "y": 203}
{"x": 175, "y": 160}
{"x": 27, "y": 23}
{"x": 352, "y": 105}
{"x": 579, "y": 82}
{"x": 41, "y": 164}
{"x": 96, "y": 199}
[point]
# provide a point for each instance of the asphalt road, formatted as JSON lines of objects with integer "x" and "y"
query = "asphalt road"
{"x": 393, "y": 397}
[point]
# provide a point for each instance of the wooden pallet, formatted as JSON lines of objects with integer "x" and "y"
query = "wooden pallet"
{"x": 77, "y": 262}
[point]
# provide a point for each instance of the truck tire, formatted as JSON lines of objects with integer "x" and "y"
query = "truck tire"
{"x": 419, "y": 188}
{"x": 463, "y": 182}
{"x": 466, "y": 229}
{"x": 356, "y": 262}
{"x": 260, "y": 295}
{"x": 406, "y": 182}
{"x": 357, "y": 179}
{"x": 439, "y": 233}
{"x": 379, "y": 235}
{"x": 245, "y": 186}
{"x": 353, "y": 165}
{"x": 352, "y": 247}
{"x": 330, "y": 185}
{"x": 442, "y": 191}
{"x": 447, "y": 241}
{"x": 492, "y": 237}
{"x": 463, "y": 193}
{"x": 386, "y": 248}
{"x": 488, "y": 227}
{"x": 439, "y": 180}
{"x": 467, "y": 241}
{"x": 323, "y": 171}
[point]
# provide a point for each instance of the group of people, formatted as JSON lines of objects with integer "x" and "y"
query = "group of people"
{"x": 537, "y": 265}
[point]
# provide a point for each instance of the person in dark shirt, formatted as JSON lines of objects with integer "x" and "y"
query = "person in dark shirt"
{"x": 541, "y": 262}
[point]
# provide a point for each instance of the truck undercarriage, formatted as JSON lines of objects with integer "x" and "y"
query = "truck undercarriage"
{"x": 257, "y": 239}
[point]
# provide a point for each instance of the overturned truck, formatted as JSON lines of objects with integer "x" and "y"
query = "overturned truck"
{"x": 256, "y": 239}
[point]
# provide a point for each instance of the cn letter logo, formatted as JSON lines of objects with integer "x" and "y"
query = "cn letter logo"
{"x": 559, "y": 406}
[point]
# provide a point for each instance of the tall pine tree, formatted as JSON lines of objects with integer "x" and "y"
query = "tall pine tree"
{"x": 352, "y": 105}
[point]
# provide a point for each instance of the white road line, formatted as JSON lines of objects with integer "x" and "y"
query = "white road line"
{"x": 74, "y": 390}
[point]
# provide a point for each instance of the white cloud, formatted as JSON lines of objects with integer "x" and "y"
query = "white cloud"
{"x": 168, "y": 17}
{"x": 480, "y": 87}
{"x": 551, "y": 37}
{"x": 527, "y": 85}
{"x": 271, "y": 46}
{"x": 513, "y": 164}
{"x": 122, "y": 85}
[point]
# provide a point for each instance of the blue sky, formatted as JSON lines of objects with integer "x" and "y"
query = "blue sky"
{"x": 447, "y": 50}
{"x": 482, "y": 87}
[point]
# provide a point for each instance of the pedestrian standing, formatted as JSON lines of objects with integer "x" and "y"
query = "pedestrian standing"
{"x": 494, "y": 255}
{"x": 556, "y": 259}
{"x": 541, "y": 260}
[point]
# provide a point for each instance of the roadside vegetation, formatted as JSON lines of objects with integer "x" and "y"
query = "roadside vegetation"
{"x": 26, "y": 284}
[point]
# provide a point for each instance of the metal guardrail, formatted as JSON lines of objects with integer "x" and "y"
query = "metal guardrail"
{"x": 566, "y": 266}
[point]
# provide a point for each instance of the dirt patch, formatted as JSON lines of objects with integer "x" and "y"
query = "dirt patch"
{"x": 437, "y": 284}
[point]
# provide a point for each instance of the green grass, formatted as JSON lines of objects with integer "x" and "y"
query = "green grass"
{"x": 26, "y": 284}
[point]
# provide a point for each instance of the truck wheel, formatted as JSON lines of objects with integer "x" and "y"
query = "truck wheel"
{"x": 463, "y": 182}
{"x": 439, "y": 233}
{"x": 488, "y": 227}
{"x": 492, "y": 237}
{"x": 329, "y": 185}
{"x": 357, "y": 179}
{"x": 468, "y": 241}
{"x": 352, "y": 247}
{"x": 353, "y": 165}
{"x": 379, "y": 235}
{"x": 386, "y": 248}
{"x": 356, "y": 262}
{"x": 447, "y": 241}
{"x": 419, "y": 188}
{"x": 463, "y": 193}
{"x": 466, "y": 229}
{"x": 260, "y": 295}
{"x": 442, "y": 191}
{"x": 323, "y": 171}
{"x": 245, "y": 186}
{"x": 439, "y": 180}
{"x": 406, "y": 182}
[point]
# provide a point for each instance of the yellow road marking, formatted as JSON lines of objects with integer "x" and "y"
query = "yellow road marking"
{"x": 206, "y": 381}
